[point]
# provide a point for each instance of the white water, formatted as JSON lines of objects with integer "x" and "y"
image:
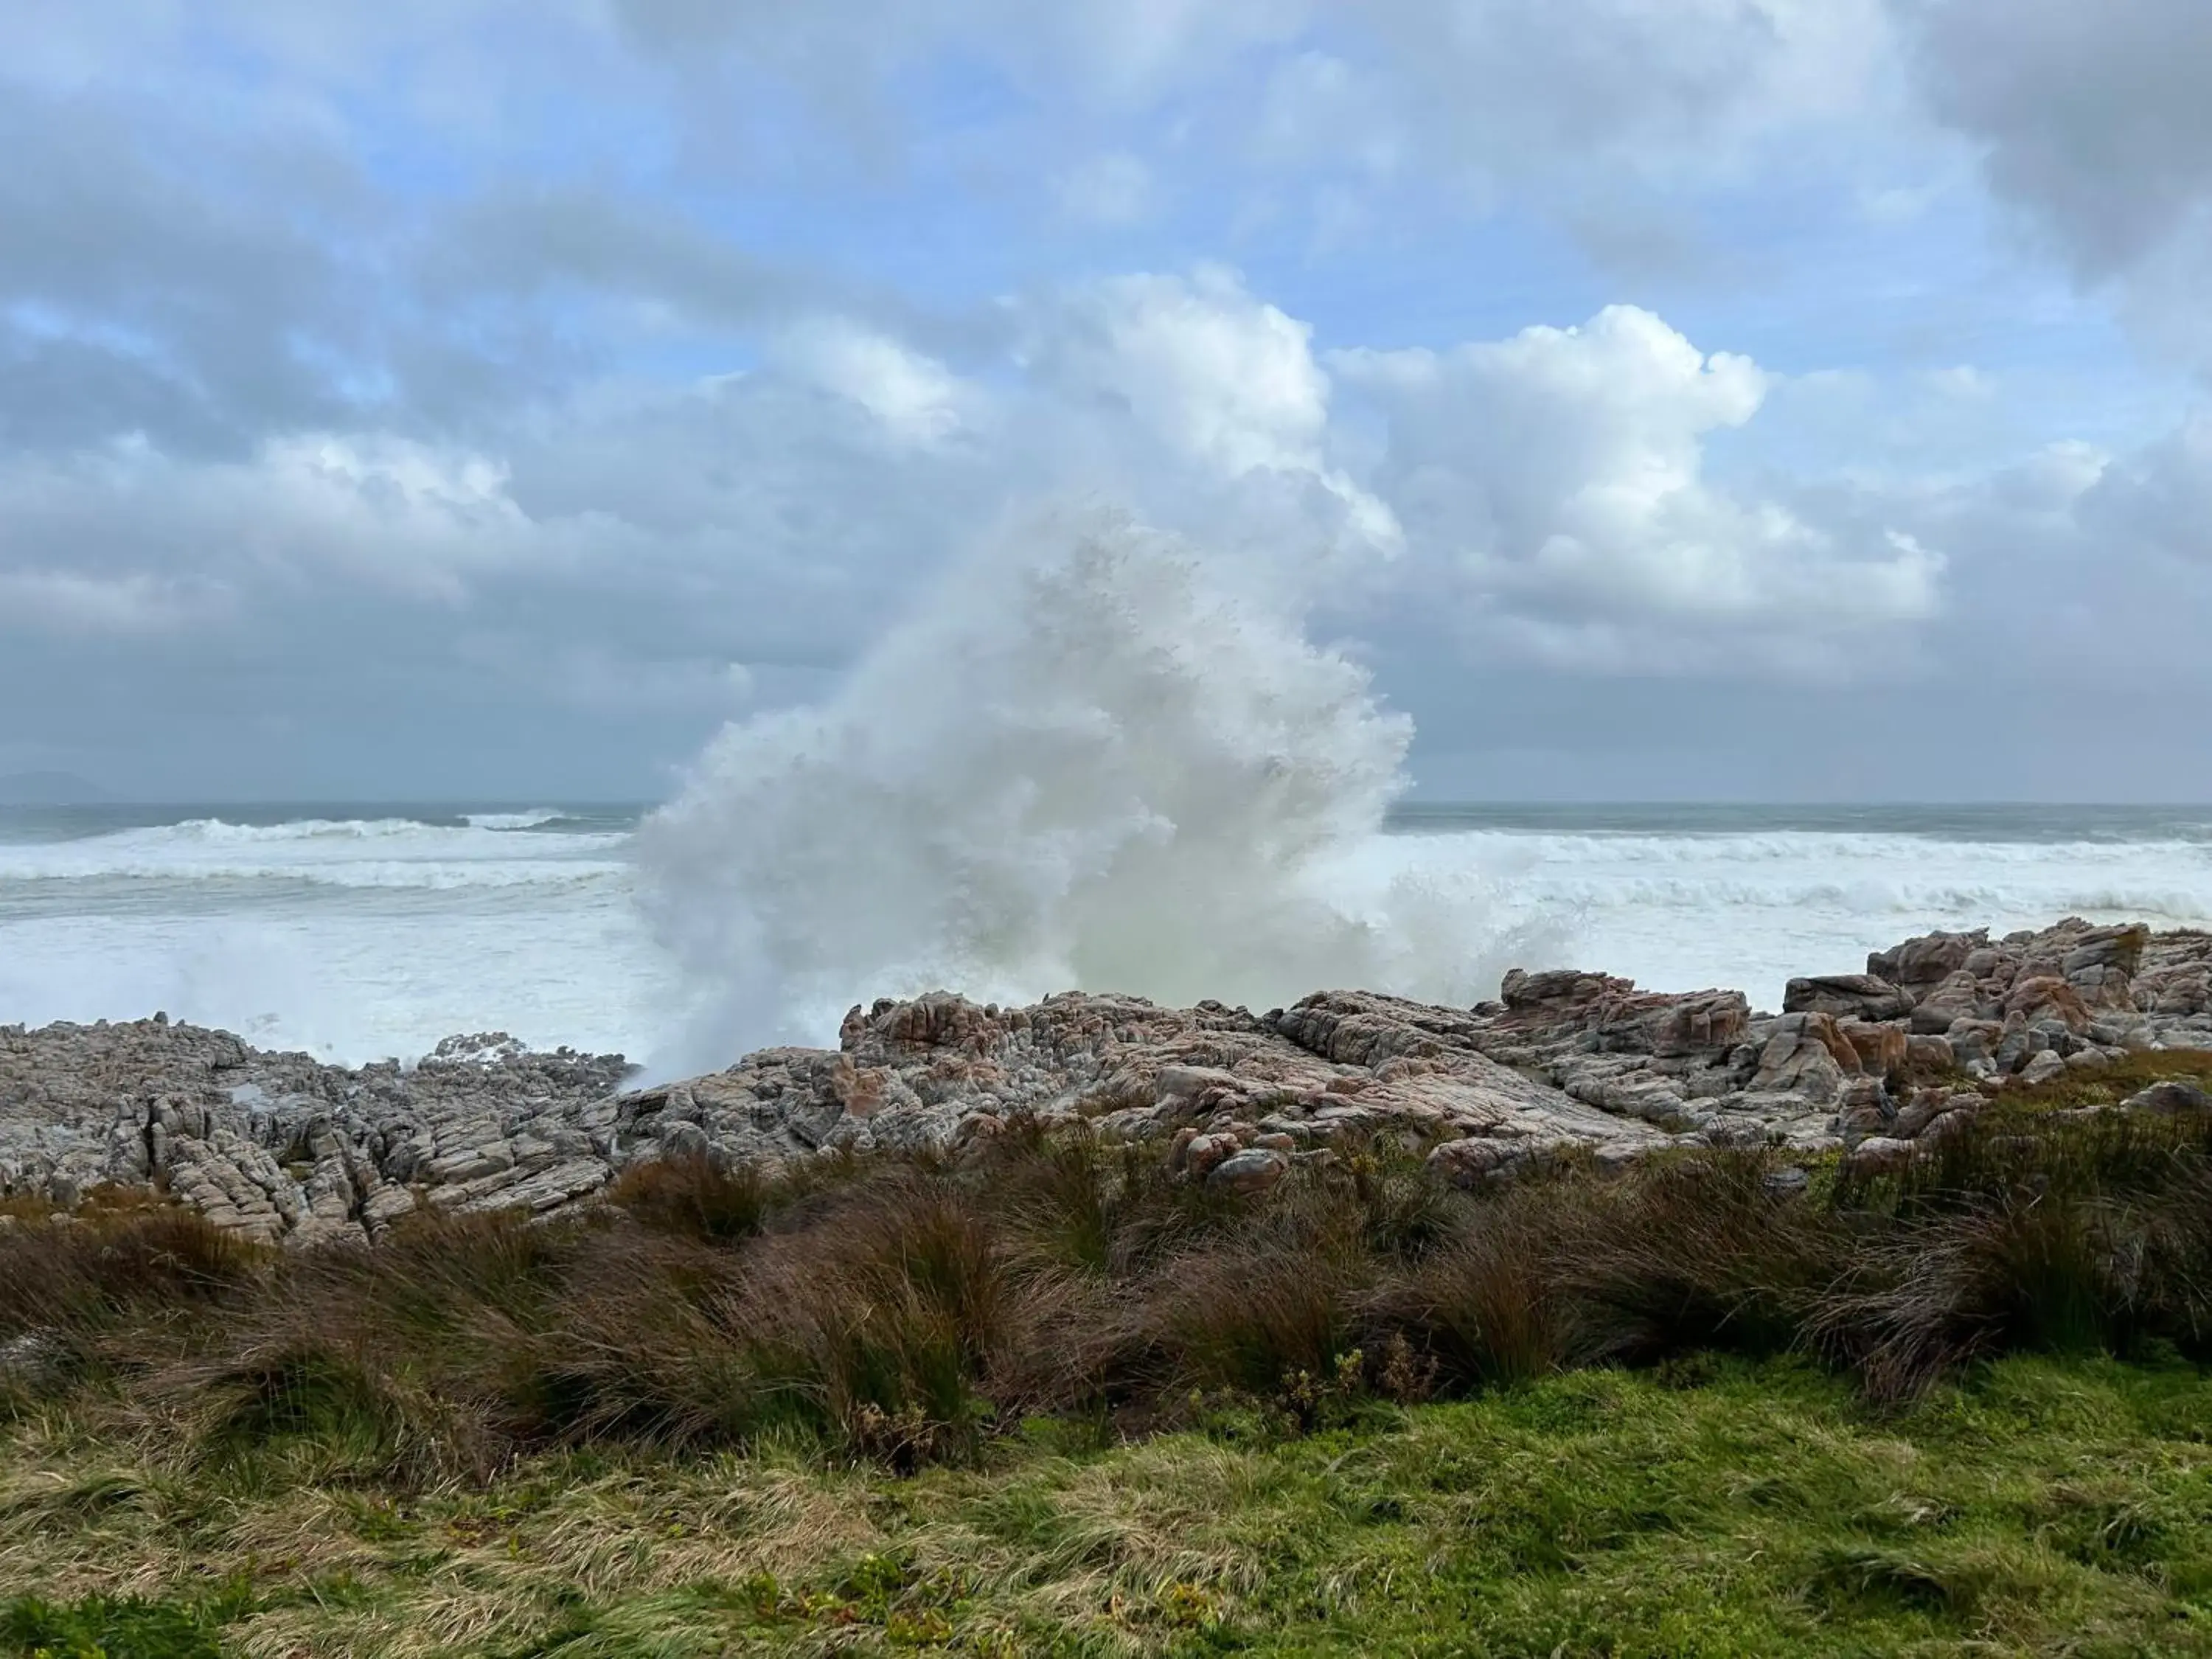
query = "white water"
{"x": 328, "y": 948}
{"x": 352, "y": 938}
{"x": 1086, "y": 760}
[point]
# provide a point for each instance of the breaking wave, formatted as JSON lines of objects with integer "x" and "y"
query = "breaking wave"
{"x": 323, "y": 852}
{"x": 1085, "y": 762}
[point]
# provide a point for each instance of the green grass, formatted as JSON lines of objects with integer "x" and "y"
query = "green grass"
{"x": 1713, "y": 1506}
{"x": 2104, "y": 1086}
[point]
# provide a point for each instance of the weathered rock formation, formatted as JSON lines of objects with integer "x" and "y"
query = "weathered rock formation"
{"x": 281, "y": 1146}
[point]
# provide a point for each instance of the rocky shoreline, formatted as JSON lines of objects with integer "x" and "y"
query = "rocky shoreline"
{"x": 283, "y": 1147}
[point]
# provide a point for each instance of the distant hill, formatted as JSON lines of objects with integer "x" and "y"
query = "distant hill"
{"x": 48, "y": 789}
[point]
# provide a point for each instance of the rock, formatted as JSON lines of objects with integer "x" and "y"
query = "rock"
{"x": 2171, "y": 1098}
{"x": 1802, "y": 1057}
{"x": 280, "y": 1147}
{"x": 1925, "y": 1106}
{"x": 1959, "y": 997}
{"x": 1471, "y": 1160}
{"x": 2102, "y": 963}
{"x": 1880, "y": 1155}
{"x": 2043, "y": 1067}
{"x": 1882, "y": 1048}
{"x": 1955, "y": 1121}
{"x": 1919, "y": 964}
{"x": 1927, "y": 1053}
{"x": 1208, "y": 1153}
{"x": 1973, "y": 1040}
{"x": 1789, "y": 1182}
{"x": 2047, "y": 998}
{"x": 1250, "y": 1172}
{"x": 1860, "y": 996}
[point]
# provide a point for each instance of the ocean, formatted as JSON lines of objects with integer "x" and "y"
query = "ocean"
{"x": 358, "y": 931}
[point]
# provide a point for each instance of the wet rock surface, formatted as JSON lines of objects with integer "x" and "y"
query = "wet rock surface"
{"x": 281, "y": 1146}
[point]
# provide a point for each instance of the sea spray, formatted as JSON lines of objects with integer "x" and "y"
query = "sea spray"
{"x": 1088, "y": 760}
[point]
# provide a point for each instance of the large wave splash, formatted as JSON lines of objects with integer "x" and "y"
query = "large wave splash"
{"x": 1088, "y": 761}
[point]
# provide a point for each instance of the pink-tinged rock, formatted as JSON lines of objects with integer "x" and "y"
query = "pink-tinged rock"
{"x": 1858, "y": 996}
{"x": 1882, "y": 1048}
{"x": 1474, "y": 1160}
{"x": 2048, "y": 998}
{"x": 1250, "y": 1172}
{"x": 1881, "y": 1155}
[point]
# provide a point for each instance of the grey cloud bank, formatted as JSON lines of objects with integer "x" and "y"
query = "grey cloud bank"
{"x": 470, "y": 400}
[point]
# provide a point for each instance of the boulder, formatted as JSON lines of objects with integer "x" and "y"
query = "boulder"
{"x": 1859, "y": 996}
{"x": 1880, "y": 1155}
{"x": 2172, "y": 1097}
{"x": 1960, "y": 996}
{"x": 1250, "y": 1172}
{"x": 1920, "y": 964}
{"x": 1881, "y": 1047}
{"x": 2047, "y": 998}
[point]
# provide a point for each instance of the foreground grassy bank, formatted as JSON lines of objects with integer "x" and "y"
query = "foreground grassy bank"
{"x": 1055, "y": 1397}
{"x": 1712, "y": 1506}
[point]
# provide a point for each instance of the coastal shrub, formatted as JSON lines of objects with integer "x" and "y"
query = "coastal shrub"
{"x": 692, "y": 1196}
{"x": 901, "y": 1309}
{"x": 655, "y": 1343}
{"x": 66, "y": 1285}
{"x": 1486, "y": 1309}
{"x": 2065, "y": 1235}
{"x": 1249, "y": 1317}
{"x": 1692, "y": 1251}
{"x": 304, "y": 1397}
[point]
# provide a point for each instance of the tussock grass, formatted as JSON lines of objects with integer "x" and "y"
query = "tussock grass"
{"x": 910, "y": 1311}
{"x": 924, "y": 1403}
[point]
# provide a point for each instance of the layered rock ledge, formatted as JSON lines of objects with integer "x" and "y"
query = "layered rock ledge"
{"x": 283, "y": 1147}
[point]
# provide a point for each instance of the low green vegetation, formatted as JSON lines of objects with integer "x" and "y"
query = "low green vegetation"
{"x": 2107, "y": 1085}
{"x": 1053, "y": 1399}
{"x": 1715, "y": 1506}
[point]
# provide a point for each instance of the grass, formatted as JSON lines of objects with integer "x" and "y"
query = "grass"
{"x": 1054, "y": 1399}
{"x": 2108, "y": 1085}
{"x": 1727, "y": 1508}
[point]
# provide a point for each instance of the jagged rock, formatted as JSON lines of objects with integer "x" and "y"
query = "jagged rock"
{"x": 1958, "y": 996}
{"x": 2047, "y": 998}
{"x": 1250, "y": 1172}
{"x": 1860, "y": 996}
{"x": 280, "y": 1147}
{"x": 2043, "y": 1067}
{"x": 1882, "y": 1047}
{"x": 1920, "y": 964}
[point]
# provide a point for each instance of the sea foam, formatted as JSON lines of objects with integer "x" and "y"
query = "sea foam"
{"x": 1085, "y": 761}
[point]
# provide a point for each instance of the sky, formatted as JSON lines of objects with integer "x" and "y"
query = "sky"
{"x": 1751, "y": 399}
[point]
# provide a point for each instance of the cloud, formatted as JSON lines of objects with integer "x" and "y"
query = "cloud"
{"x": 915, "y": 397}
{"x": 1196, "y": 372}
{"x": 1562, "y": 473}
{"x": 1115, "y": 188}
{"x": 2092, "y": 127}
{"x": 72, "y": 603}
{"x": 554, "y": 358}
{"x": 1227, "y": 380}
{"x": 2159, "y": 500}
{"x": 2093, "y": 118}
